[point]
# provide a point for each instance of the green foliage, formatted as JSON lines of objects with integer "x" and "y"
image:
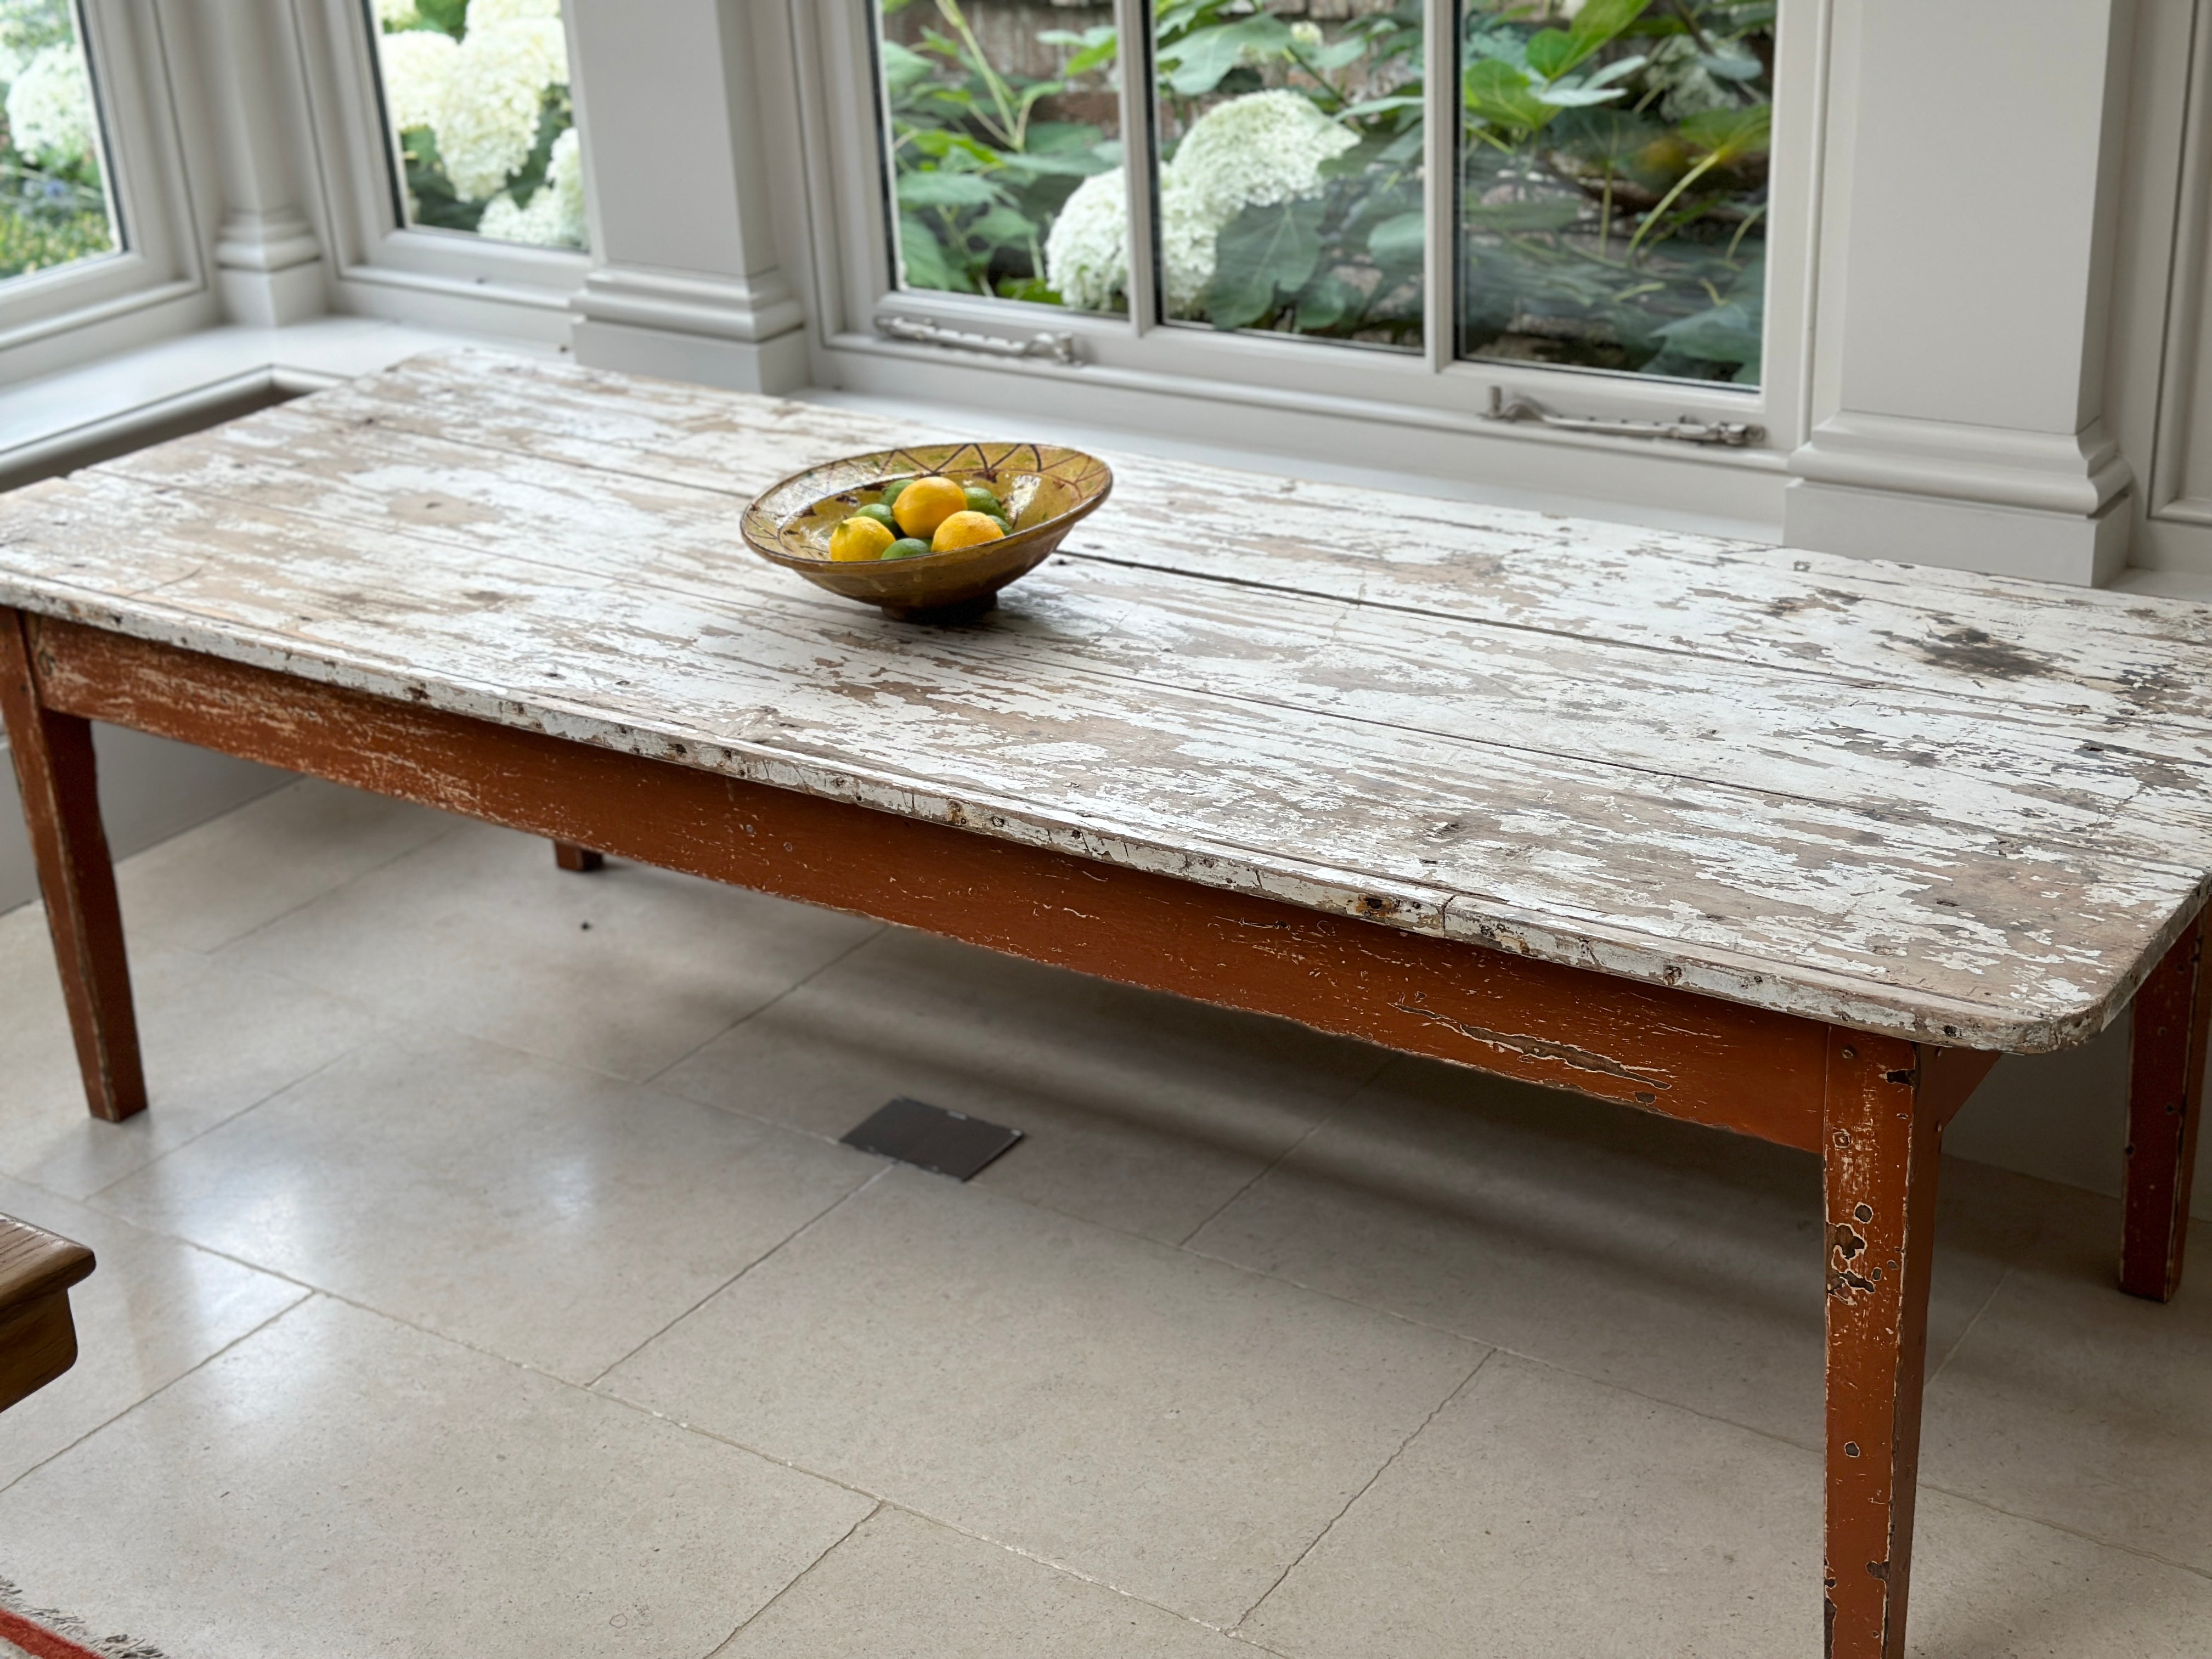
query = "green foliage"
{"x": 979, "y": 176}
{"x": 1612, "y": 171}
{"x": 53, "y": 210}
{"x": 1613, "y": 182}
{"x": 1347, "y": 263}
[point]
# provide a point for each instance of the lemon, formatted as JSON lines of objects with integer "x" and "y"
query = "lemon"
{"x": 926, "y": 503}
{"x": 857, "y": 537}
{"x": 965, "y": 530}
{"x": 906, "y": 547}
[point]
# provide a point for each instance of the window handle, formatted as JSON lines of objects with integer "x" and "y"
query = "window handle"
{"x": 1734, "y": 435}
{"x": 1059, "y": 348}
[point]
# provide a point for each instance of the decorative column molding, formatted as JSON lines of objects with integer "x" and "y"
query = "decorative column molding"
{"x": 268, "y": 266}
{"x": 686, "y": 283}
{"x": 1958, "y": 415}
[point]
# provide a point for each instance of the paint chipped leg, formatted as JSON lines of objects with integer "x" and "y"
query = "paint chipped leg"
{"x": 1883, "y": 1141}
{"x": 2166, "y": 1091}
{"x": 580, "y": 859}
{"x": 54, "y": 767}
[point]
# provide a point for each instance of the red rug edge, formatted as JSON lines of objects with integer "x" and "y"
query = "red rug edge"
{"x": 39, "y": 1642}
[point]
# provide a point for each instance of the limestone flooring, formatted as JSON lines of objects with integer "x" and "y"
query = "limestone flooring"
{"x": 487, "y": 1280}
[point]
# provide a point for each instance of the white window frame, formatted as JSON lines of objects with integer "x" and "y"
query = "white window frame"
{"x": 381, "y": 265}
{"x": 1365, "y": 406}
{"x": 159, "y": 262}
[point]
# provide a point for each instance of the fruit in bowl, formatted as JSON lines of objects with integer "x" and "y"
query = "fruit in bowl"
{"x": 930, "y": 532}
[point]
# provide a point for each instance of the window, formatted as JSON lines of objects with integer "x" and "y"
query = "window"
{"x": 475, "y": 95}
{"x": 1372, "y": 212}
{"x": 1612, "y": 185}
{"x": 55, "y": 208}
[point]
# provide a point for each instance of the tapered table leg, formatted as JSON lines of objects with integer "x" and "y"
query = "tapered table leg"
{"x": 1882, "y": 1146}
{"x": 2166, "y": 1091}
{"x": 582, "y": 859}
{"x": 61, "y": 805}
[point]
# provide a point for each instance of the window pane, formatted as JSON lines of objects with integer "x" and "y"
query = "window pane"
{"x": 1613, "y": 183}
{"x": 53, "y": 189}
{"x": 1289, "y": 178}
{"x": 1005, "y": 148}
{"x": 478, "y": 91}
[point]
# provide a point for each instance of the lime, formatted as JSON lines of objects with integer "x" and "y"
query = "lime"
{"x": 906, "y": 547}
{"x": 891, "y": 490}
{"x": 983, "y": 500}
{"x": 880, "y": 513}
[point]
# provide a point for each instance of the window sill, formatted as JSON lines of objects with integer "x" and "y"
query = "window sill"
{"x": 70, "y": 419}
{"x": 994, "y": 422}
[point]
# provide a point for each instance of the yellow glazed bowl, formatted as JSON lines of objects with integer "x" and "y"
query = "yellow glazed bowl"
{"x": 1047, "y": 490}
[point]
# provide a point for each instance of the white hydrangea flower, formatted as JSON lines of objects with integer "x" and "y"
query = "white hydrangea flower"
{"x": 539, "y": 224}
{"x": 50, "y": 105}
{"x": 1211, "y": 178}
{"x": 488, "y": 121}
{"x": 484, "y": 12}
{"x": 1086, "y": 254}
{"x": 395, "y": 14}
{"x": 418, "y": 67}
{"x": 564, "y": 181}
{"x": 1188, "y": 230}
{"x": 1255, "y": 151}
{"x": 1086, "y": 258}
{"x": 1308, "y": 35}
{"x": 555, "y": 217}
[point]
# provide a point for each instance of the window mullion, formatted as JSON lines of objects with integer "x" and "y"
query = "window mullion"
{"x": 1440, "y": 174}
{"x": 1133, "y": 20}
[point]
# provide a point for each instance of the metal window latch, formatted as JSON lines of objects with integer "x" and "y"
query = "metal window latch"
{"x": 1733, "y": 434}
{"x": 1059, "y": 348}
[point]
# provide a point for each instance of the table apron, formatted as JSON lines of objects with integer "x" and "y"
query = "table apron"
{"x": 1674, "y": 1052}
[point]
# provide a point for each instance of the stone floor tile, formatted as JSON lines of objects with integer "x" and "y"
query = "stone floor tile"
{"x": 1991, "y": 1586}
{"x": 1142, "y": 1111}
{"x": 2074, "y": 1404}
{"x": 1680, "y": 1262}
{"x": 152, "y": 1309}
{"x": 539, "y": 1210}
{"x": 904, "y": 1588}
{"x": 340, "y": 1483}
{"x": 216, "y": 1038}
{"x": 625, "y": 971}
{"x": 1173, "y": 1427}
{"x": 1542, "y": 1515}
{"x": 210, "y": 885}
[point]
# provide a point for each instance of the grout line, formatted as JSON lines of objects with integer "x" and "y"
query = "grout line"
{"x": 358, "y": 876}
{"x": 1988, "y": 1302}
{"x": 806, "y": 1226}
{"x": 1389, "y": 1463}
{"x": 282, "y": 1089}
{"x": 793, "y": 989}
{"x": 2070, "y": 1531}
{"x": 1381, "y": 1064}
{"x": 723, "y": 1646}
{"x": 307, "y": 1294}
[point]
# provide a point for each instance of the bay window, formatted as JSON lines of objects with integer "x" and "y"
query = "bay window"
{"x": 1370, "y": 211}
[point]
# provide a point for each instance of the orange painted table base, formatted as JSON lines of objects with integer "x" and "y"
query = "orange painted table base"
{"x": 1873, "y": 1106}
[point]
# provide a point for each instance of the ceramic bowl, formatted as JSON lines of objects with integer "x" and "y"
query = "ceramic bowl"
{"x": 1047, "y": 490}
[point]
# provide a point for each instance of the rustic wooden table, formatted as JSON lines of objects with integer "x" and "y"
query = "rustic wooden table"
{"x": 1790, "y": 844}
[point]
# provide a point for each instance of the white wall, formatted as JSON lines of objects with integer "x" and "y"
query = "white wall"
{"x": 150, "y": 789}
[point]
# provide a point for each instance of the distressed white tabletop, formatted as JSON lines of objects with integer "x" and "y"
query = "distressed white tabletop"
{"x": 1971, "y": 810}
